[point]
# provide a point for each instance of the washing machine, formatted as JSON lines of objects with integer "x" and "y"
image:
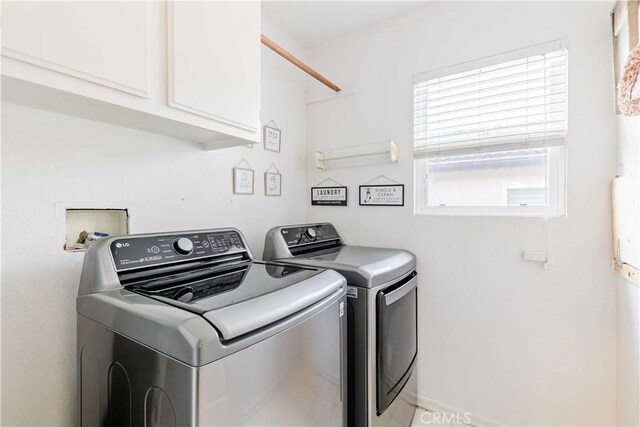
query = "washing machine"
{"x": 187, "y": 329}
{"x": 381, "y": 316}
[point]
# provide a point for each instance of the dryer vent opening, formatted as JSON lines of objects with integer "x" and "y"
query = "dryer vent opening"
{"x": 84, "y": 226}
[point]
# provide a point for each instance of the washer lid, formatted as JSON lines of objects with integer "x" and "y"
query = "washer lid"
{"x": 238, "y": 319}
{"x": 361, "y": 265}
{"x": 246, "y": 297}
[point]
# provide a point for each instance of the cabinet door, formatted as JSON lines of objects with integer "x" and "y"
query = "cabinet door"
{"x": 214, "y": 60}
{"x": 102, "y": 42}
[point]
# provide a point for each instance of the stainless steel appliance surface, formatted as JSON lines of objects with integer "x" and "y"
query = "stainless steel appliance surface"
{"x": 186, "y": 329}
{"x": 381, "y": 317}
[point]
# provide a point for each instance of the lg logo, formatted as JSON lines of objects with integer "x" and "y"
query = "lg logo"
{"x": 122, "y": 245}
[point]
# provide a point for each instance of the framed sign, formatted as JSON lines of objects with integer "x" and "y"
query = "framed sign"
{"x": 329, "y": 196}
{"x": 272, "y": 137}
{"x": 243, "y": 179}
{"x": 272, "y": 184}
{"x": 382, "y": 195}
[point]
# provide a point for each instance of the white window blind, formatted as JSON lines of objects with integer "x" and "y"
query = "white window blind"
{"x": 512, "y": 101}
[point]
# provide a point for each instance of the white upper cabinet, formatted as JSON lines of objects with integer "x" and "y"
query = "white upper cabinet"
{"x": 189, "y": 70}
{"x": 102, "y": 42}
{"x": 214, "y": 60}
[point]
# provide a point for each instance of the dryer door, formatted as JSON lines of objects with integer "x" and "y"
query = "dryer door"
{"x": 396, "y": 338}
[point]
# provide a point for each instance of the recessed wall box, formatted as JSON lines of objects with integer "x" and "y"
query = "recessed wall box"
{"x": 86, "y": 225}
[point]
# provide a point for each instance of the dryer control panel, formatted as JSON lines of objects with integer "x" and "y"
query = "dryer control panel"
{"x": 307, "y": 234}
{"x": 146, "y": 251}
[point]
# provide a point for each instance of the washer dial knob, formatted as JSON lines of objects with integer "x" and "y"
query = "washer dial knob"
{"x": 311, "y": 234}
{"x": 183, "y": 246}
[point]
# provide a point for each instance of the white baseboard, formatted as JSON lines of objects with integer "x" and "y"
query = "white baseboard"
{"x": 474, "y": 419}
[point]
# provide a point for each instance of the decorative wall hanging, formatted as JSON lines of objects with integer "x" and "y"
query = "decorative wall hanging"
{"x": 625, "y": 37}
{"x": 628, "y": 90}
{"x": 322, "y": 195}
{"x": 272, "y": 136}
{"x": 243, "y": 178}
{"x": 272, "y": 181}
{"x": 382, "y": 194}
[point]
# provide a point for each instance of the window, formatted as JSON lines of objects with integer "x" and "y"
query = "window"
{"x": 490, "y": 135}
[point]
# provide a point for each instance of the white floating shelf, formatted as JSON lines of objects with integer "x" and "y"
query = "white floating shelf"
{"x": 377, "y": 152}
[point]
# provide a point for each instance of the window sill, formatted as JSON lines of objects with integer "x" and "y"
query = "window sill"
{"x": 464, "y": 213}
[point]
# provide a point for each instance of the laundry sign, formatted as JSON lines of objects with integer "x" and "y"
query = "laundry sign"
{"x": 329, "y": 196}
{"x": 382, "y": 195}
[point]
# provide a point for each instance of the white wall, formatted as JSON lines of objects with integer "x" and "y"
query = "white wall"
{"x": 628, "y": 294}
{"x": 167, "y": 184}
{"x": 500, "y": 337}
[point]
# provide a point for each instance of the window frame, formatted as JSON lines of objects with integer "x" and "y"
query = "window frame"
{"x": 557, "y": 168}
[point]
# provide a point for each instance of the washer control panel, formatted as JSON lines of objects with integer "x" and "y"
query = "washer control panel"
{"x": 146, "y": 251}
{"x": 306, "y": 234}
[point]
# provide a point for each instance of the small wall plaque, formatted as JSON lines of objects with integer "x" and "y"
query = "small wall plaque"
{"x": 243, "y": 178}
{"x": 329, "y": 196}
{"x": 272, "y": 181}
{"x": 382, "y": 195}
{"x": 272, "y": 136}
